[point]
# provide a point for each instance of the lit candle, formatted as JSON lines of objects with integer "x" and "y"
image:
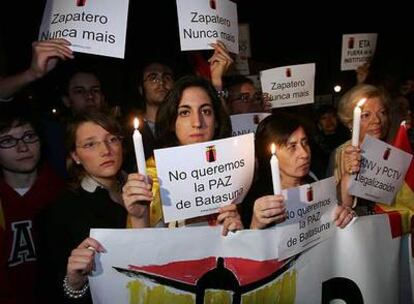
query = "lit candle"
{"x": 139, "y": 149}
{"x": 274, "y": 166}
{"x": 356, "y": 123}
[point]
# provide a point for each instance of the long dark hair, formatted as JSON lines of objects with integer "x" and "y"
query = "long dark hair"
{"x": 103, "y": 119}
{"x": 168, "y": 112}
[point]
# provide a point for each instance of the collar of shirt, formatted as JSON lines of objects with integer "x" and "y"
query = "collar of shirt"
{"x": 89, "y": 184}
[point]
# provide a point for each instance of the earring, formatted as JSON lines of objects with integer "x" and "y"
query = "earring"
{"x": 77, "y": 162}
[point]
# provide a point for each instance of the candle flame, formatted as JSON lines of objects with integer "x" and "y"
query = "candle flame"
{"x": 273, "y": 148}
{"x": 361, "y": 102}
{"x": 136, "y": 123}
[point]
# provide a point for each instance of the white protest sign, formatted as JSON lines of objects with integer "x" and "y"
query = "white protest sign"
{"x": 205, "y": 176}
{"x": 246, "y": 123}
{"x": 172, "y": 264}
{"x": 290, "y": 85}
{"x": 357, "y": 49}
{"x": 183, "y": 255}
{"x": 309, "y": 216}
{"x": 202, "y": 22}
{"x": 92, "y": 26}
{"x": 382, "y": 171}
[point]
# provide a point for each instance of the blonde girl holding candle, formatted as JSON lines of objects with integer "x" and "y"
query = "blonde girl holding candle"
{"x": 374, "y": 121}
{"x": 192, "y": 113}
{"x": 92, "y": 200}
{"x": 262, "y": 208}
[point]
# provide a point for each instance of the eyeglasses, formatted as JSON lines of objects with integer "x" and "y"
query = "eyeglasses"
{"x": 246, "y": 97}
{"x": 113, "y": 141}
{"x": 8, "y": 141}
{"x": 159, "y": 77}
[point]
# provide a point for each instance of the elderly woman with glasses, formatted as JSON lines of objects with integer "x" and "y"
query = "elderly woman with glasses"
{"x": 93, "y": 200}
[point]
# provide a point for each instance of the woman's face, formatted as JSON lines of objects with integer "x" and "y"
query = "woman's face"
{"x": 195, "y": 117}
{"x": 98, "y": 151}
{"x": 374, "y": 119}
{"x": 294, "y": 157}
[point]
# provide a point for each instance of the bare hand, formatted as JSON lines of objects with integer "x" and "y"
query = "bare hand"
{"x": 81, "y": 262}
{"x": 46, "y": 54}
{"x": 362, "y": 72}
{"x": 268, "y": 209}
{"x": 229, "y": 217}
{"x": 137, "y": 194}
{"x": 219, "y": 63}
{"x": 342, "y": 216}
{"x": 352, "y": 159}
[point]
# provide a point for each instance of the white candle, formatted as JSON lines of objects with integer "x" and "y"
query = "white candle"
{"x": 274, "y": 166}
{"x": 356, "y": 123}
{"x": 139, "y": 149}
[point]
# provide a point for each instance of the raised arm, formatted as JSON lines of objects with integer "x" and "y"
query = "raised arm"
{"x": 219, "y": 64}
{"x": 45, "y": 56}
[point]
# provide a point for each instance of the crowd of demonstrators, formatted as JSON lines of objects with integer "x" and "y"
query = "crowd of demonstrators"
{"x": 54, "y": 228}
{"x": 261, "y": 208}
{"x": 192, "y": 113}
{"x": 27, "y": 186}
{"x": 375, "y": 118}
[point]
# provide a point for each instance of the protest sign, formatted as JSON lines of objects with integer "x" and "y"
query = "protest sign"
{"x": 382, "y": 171}
{"x": 92, "y": 26}
{"x": 290, "y": 85}
{"x": 202, "y": 22}
{"x": 246, "y": 123}
{"x": 205, "y": 176}
{"x": 309, "y": 216}
{"x": 357, "y": 49}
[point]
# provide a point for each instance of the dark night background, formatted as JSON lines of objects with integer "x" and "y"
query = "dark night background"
{"x": 280, "y": 36}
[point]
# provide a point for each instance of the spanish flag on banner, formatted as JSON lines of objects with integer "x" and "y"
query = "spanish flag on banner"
{"x": 404, "y": 200}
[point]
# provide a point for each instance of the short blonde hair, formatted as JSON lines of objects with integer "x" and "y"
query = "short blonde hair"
{"x": 350, "y": 99}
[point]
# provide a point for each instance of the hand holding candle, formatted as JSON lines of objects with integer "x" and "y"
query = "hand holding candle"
{"x": 356, "y": 123}
{"x": 139, "y": 149}
{"x": 274, "y": 166}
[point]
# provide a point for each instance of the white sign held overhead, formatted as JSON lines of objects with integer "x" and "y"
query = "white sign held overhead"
{"x": 289, "y": 85}
{"x": 202, "y": 22}
{"x": 357, "y": 49}
{"x": 92, "y": 26}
